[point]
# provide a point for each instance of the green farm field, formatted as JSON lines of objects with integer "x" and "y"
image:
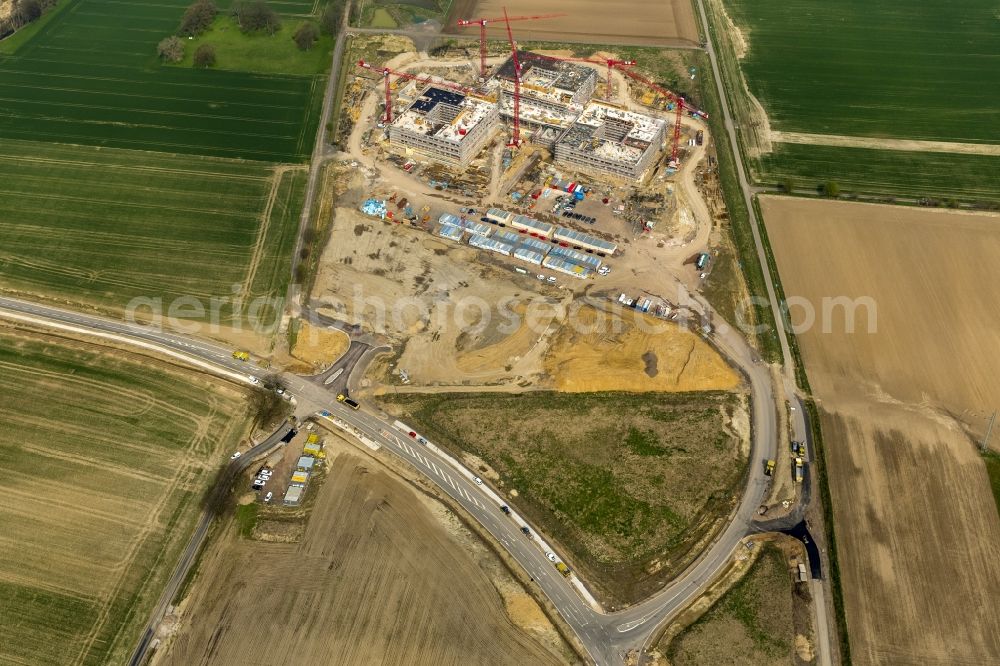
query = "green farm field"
{"x": 893, "y": 68}
{"x": 627, "y": 483}
{"x": 102, "y": 226}
{"x": 90, "y": 76}
{"x": 893, "y": 172}
{"x": 106, "y": 456}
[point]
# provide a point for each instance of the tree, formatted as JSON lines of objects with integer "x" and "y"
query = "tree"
{"x": 29, "y": 10}
{"x": 204, "y": 56}
{"x": 171, "y": 49}
{"x": 306, "y": 36}
{"x": 198, "y": 18}
{"x": 787, "y": 185}
{"x": 255, "y": 16}
{"x": 831, "y": 189}
{"x": 329, "y": 20}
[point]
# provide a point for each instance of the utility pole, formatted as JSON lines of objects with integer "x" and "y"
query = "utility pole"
{"x": 986, "y": 440}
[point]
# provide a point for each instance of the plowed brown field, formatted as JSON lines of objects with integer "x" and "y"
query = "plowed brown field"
{"x": 383, "y": 575}
{"x": 917, "y": 528}
{"x": 587, "y": 21}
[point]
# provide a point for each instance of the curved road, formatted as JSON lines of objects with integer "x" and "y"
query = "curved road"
{"x": 607, "y": 637}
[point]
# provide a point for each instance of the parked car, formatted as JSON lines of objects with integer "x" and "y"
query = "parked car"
{"x": 552, "y": 557}
{"x": 478, "y": 481}
{"x": 527, "y": 532}
{"x": 505, "y": 509}
{"x": 267, "y": 497}
{"x": 235, "y": 455}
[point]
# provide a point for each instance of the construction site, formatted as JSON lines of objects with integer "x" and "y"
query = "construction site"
{"x": 524, "y": 177}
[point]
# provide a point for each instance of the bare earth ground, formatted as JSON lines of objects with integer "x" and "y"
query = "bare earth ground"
{"x": 319, "y": 347}
{"x": 918, "y": 529}
{"x": 383, "y": 575}
{"x": 638, "y": 358}
{"x": 427, "y": 295}
{"x": 591, "y": 21}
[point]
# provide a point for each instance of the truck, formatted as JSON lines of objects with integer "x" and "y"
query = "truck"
{"x": 702, "y": 260}
{"x": 347, "y": 401}
{"x": 699, "y": 138}
{"x": 800, "y": 468}
{"x": 241, "y": 355}
{"x": 563, "y": 569}
{"x": 769, "y": 467}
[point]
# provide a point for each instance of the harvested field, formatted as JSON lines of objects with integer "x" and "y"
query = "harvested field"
{"x": 589, "y": 21}
{"x": 917, "y": 528}
{"x": 628, "y": 483}
{"x": 383, "y": 575}
{"x": 105, "y": 457}
{"x": 751, "y": 624}
{"x": 644, "y": 355}
{"x": 103, "y": 226}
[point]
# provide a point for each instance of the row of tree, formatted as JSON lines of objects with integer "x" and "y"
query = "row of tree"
{"x": 251, "y": 16}
{"x": 24, "y": 12}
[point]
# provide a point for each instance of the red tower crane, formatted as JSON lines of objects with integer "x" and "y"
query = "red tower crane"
{"x": 515, "y": 139}
{"x": 680, "y": 106}
{"x": 481, "y": 22}
{"x": 385, "y": 71}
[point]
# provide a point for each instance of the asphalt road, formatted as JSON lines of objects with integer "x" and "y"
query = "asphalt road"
{"x": 606, "y": 636}
{"x": 194, "y": 545}
{"x": 823, "y": 644}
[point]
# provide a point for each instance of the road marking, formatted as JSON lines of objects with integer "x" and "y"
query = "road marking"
{"x": 436, "y": 470}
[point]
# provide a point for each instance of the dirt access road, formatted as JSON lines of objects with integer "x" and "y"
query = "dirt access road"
{"x": 917, "y": 526}
{"x": 383, "y": 574}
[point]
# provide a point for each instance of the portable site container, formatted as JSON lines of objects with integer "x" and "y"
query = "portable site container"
{"x": 531, "y": 256}
{"x": 577, "y": 257}
{"x": 491, "y": 244}
{"x": 451, "y": 232}
{"x": 584, "y": 240}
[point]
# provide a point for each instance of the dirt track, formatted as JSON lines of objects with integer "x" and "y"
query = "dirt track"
{"x": 917, "y": 527}
{"x": 590, "y": 21}
{"x": 383, "y": 575}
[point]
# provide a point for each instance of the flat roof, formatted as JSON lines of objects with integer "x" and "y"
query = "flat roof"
{"x": 306, "y": 462}
{"x": 576, "y": 256}
{"x": 528, "y": 255}
{"x": 581, "y": 238}
{"x": 539, "y": 114}
{"x": 294, "y": 493}
{"x": 507, "y": 236}
{"x": 537, "y": 70}
{"x": 613, "y": 134}
{"x": 563, "y": 266}
{"x": 486, "y": 243}
{"x": 450, "y": 232}
{"x": 444, "y": 114}
{"x": 499, "y": 212}
{"x": 536, "y": 245}
{"x": 532, "y": 223}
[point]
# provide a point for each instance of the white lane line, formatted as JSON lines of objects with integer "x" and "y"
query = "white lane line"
{"x": 436, "y": 470}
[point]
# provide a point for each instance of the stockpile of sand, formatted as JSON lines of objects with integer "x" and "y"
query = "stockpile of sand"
{"x": 319, "y": 347}
{"x": 598, "y": 353}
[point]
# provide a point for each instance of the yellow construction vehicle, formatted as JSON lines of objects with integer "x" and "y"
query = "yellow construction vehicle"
{"x": 241, "y": 355}
{"x": 769, "y": 470}
{"x": 347, "y": 401}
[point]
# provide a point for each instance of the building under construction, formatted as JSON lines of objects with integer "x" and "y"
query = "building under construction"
{"x": 552, "y": 94}
{"x": 445, "y": 125}
{"x": 610, "y": 139}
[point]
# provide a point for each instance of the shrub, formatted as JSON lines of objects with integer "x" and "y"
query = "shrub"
{"x": 306, "y": 36}
{"x": 198, "y": 18}
{"x": 171, "y": 49}
{"x": 204, "y": 56}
